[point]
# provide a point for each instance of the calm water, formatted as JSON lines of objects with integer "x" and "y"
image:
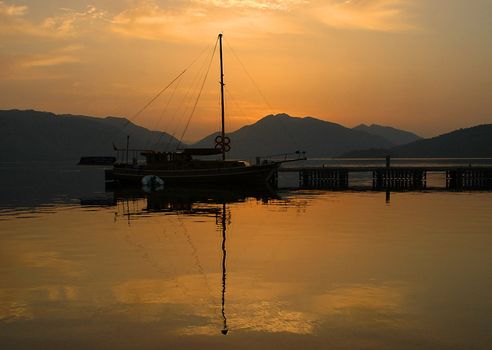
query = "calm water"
{"x": 82, "y": 268}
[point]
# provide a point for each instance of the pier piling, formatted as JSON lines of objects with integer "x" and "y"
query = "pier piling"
{"x": 389, "y": 177}
{"x": 323, "y": 178}
{"x": 469, "y": 179}
{"x": 398, "y": 178}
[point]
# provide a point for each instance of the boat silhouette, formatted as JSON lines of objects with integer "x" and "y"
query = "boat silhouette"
{"x": 182, "y": 166}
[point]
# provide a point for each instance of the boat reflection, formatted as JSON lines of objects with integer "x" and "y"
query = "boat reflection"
{"x": 187, "y": 200}
{"x": 211, "y": 202}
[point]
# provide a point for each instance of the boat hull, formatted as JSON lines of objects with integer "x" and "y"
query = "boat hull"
{"x": 256, "y": 174}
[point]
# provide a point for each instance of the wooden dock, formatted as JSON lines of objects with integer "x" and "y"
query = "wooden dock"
{"x": 394, "y": 177}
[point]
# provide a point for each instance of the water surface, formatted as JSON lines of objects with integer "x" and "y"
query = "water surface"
{"x": 84, "y": 268}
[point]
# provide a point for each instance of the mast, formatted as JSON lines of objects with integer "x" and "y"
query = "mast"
{"x": 222, "y": 96}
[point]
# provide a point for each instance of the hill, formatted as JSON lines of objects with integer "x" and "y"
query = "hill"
{"x": 395, "y": 136}
{"x": 43, "y": 136}
{"x": 474, "y": 142}
{"x": 281, "y": 133}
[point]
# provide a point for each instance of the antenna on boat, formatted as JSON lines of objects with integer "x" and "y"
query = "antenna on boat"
{"x": 222, "y": 95}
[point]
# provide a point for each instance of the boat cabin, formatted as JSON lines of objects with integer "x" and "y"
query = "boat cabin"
{"x": 185, "y": 160}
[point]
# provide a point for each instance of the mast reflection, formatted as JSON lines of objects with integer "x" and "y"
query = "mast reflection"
{"x": 191, "y": 202}
{"x": 225, "y": 330}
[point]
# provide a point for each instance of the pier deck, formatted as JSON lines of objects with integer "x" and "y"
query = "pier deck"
{"x": 394, "y": 177}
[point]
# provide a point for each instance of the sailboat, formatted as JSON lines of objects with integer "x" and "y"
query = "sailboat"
{"x": 181, "y": 167}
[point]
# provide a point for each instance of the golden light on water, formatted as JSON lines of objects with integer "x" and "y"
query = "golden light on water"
{"x": 296, "y": 266}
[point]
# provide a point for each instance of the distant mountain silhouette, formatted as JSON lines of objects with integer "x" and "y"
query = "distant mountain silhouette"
{"x": 395, "y": 136}
{"x": 281, "y": 133}
{"x": 463, "y": 143}
{"x": 32, "y": 135}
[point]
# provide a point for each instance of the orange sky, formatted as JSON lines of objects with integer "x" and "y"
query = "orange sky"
{"x": 419, "y": 65}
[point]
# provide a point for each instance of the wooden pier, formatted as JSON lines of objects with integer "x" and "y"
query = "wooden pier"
{"x": 394, "y": 177}
{"x": 323, "y": 178}
{"x": 469, "y": 178}
{"x": 399, "y": 178}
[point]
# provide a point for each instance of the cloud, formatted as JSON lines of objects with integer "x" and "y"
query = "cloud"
{"x": 374, "y": 15}
{"x": 35, "y": 66}
{"x": 60, "y": 56}
{"x": 255, "y": 4}
{"x": 68, "y": 24}
{"x": 12, "y": 10}
{"x": 193, "y": 20}
{"x": 72, "y": 21}
{"x": 47, "y": 61}
{"x": 149, "y": 21}
{"x": 250, "y": 18}
{"x": 12, "y": 20}
{"x": 197, "y": 19}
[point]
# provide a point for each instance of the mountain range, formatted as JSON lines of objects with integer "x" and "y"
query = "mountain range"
{"x": 33, "y": 135}
{"x": 281, "y": 133}
{"x": 474, "y": 142}
{"x": 43, "y": 136}
{"x": 395, "y": 136}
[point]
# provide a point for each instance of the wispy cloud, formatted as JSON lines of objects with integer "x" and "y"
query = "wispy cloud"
{"x": 39, "y": 65}
{"x": 73, "y": 21}
{"x": 12, "y": 10}
{"x": 70, "y": 23}
{"x": 255, "y": 4}
{"x": 47, "y": 60}
{"x": 249, "y": 18}
{"x": 148, "y": 20}
{"x": 12, "y": 20}
{"x": 375, "y": 15}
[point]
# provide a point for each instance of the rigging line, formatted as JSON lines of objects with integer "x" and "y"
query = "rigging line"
{"x": 161, "y": 134}
{"x": 194, "y": 253}
{"x": 249, "y": 76}
{"x": 169, "y": 85}
{"x": 158, "y": 121}
{"x": 293, "y": 139}
{"x": 182, "y": 106}
{"x": 128, "y": 121}
{"x": 235, "y": 101}
{"x": 157, "y": 96}
{"x": 198, "y": 97}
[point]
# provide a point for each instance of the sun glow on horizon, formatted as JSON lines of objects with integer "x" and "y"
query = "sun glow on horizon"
{"x": 373, "y": 61}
